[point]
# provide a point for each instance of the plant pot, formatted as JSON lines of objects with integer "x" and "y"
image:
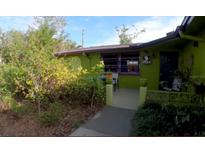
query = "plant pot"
{"x": 109, "y": 76}
{"x": 200, "y": 89}
{"x": 108, "y": 81}
{"x": 143, "y": 82}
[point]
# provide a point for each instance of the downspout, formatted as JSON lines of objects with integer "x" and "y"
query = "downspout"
{"x": 190, "y": 37}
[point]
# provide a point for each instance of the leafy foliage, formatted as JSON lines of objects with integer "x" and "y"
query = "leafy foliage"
{"x": 154, "y": 119}
{"x": 126, "y": 36}
{"x": 31, "y": 72}
{"x": 52, "y": 115}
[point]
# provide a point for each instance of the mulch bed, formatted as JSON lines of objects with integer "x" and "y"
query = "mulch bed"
{"x": 28, "y": 125}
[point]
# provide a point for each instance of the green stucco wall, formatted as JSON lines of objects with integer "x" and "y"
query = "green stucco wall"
{"x": 148, "y": 71}
{"x": 151, "y": 71}
{"x": 85, "y": 61}
{"x": 195, "y": 56}
{"x": 88, "y": 61}
{"x": 129, "y": 81}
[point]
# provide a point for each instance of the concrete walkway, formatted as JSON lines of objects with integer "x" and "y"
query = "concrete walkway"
{"x": 113, "y": 120}
{"x": 126, "y": 98}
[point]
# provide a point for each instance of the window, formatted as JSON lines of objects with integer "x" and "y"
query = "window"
{"x": 132, "y": 66}
{"x": 111, "y": 63}
{"x": 122, "y": 63}
{"x": 129, "y": 63}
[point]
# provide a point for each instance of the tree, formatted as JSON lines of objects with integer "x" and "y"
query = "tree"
{"x": 30, "y": 69}
{"x": 50, "y": 34}
{"x": 125, "y": 36}
{"x": 12, "y": 44}
{"x": 46, "y": 34}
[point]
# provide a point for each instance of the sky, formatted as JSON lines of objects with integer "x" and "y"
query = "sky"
{"x": 100, "y": 30}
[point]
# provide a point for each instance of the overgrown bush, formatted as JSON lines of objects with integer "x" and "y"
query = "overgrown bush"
{"x": 50, "y": 82}
{"x": 31, "y": 72}
{"x": 154, "y": 119}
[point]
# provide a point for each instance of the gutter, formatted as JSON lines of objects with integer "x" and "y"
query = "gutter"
{"x": 172, "y": 36}
{"x": 190, "y": 37}
{"x": 186, "y": 22}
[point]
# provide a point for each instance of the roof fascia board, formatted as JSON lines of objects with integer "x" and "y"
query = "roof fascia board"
{"x": 187, "y": 21}
{"x": 190, "y": 37}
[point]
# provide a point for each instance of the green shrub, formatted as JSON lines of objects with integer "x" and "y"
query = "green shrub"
{"x": 31, "y": 71}
{"x": 7, "y": 98}
{"x": 48, "y": 118}
{"x": 52, "y": 115}
{"x": 51, "y": 82}
{"x": 154, "y": 119}
{"x": 56, "y": 108}
{"x": 20, "y": 108}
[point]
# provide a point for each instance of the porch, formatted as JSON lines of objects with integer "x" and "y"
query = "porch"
{"x": 126, "y": 98}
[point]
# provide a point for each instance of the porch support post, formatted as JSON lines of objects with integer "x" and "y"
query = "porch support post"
{"x": 143, "y": 94}
{"x": 109, "y": 94}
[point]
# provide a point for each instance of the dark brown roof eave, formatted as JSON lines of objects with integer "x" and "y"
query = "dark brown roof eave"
{"x": 119, "y": 48}
{"x": 100, "y": 49}
{"x": 115, "y": 48}
{"x": 173, "y": 36}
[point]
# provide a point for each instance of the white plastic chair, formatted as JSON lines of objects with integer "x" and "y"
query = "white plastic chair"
{"x": 115, "y": 80}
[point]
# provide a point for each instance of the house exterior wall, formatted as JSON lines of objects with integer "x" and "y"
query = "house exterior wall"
{"x": 88, "y": 61}
{"x": 195, "y": 56}
{"x": 125, "y": 81}
{"x": 85, "y": 61}
{"x": 149, "y": 71}
{"x": 129, "y": 81}
{"x": 188, "y": 55}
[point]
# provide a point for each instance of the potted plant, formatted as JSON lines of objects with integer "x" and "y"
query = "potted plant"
{"x": 198, "y": 82}
{"x": 109, "y": 75}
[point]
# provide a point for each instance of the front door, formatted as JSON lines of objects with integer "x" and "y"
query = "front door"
{"x": 168, "y": 65}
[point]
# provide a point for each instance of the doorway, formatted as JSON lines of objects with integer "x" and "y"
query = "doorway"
{"x": 168, "y": 67}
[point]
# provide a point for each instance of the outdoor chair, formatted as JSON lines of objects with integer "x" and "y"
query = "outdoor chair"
{"x": 176, "y": 85}
{"x": 115, "y": 81}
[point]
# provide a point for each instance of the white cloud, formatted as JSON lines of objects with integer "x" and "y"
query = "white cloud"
{"x": 156, "y": 27}
{"x": 14, "y": 22}
{"x": 113, "y": 39}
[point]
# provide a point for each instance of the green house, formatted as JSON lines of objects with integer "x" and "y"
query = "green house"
{"x": 182, "y": 50}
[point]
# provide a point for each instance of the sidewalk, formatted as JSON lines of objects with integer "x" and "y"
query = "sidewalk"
{"x": 113, "y": 120}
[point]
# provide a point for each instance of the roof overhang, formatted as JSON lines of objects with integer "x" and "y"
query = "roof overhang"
{"x": 193, "y": 25}
{"x": 190, "y": 25}
{"x": 99, "y": 49}
{"x": 170, "y": 37}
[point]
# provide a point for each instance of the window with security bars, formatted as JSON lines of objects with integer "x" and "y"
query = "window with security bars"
{"x": 111, "y": 63}
{"x": 121, "y": 63}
